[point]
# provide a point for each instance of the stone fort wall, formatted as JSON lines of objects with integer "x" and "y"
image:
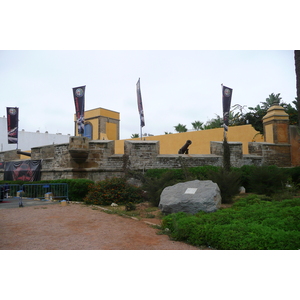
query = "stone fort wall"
{"x": 96, "y": 160}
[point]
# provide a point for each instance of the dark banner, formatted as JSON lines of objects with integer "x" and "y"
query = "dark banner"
{"x": 227, "y": 93}
{"x": 140, "y": 104}
{"x": 2, "y": 165}
{"x": 12, "y": 124}
{"x": 79, "y": 98}
{"x": 25, "y": 170}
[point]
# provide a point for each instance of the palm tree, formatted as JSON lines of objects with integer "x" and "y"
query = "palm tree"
{"x": 180, "y": 128}
{"x": 297, "y": 69}
{"x": 135, "y": 135}
{"x": 271, "y": 100}
{"x": 197, "y": 125}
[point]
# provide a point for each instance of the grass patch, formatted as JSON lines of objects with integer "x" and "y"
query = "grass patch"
{"x": 252, "y": 223}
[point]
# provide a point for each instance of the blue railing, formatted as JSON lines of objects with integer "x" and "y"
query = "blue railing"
{"x": 47, "y": 191}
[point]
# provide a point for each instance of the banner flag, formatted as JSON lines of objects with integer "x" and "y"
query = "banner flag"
{"x": 12, "y": 124}
{"x": 79, "y": 98}
{"x": 227, "y": 93}
{"x": 25, "y": 170}
{"x": 140, "y": 104}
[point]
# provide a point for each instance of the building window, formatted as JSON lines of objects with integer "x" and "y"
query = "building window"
{"x": 88, "y": 130}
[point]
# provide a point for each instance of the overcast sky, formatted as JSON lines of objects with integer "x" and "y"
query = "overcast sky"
{"x": 177, "y": 86}
{"x": 181, "y": 53}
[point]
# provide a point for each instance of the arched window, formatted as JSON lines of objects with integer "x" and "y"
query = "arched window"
{"x": 88, "y": 130}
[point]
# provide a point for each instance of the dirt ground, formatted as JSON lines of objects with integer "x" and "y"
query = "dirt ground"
{"x": 79, "y": 227}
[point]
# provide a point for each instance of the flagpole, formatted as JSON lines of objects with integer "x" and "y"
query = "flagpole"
{"x": 224, "y": 133}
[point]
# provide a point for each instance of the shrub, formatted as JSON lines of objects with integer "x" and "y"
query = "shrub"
{"x": 228, "y": 181}
{"x": 267, "y": 180}
{"x": 154, "y": 186}
{"x": 113, "y": 190}
{"x": 251, "y": 224}
{"x": 130, "y": 206}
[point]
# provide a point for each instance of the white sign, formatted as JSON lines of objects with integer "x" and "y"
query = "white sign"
{"x": 190, "y": 191}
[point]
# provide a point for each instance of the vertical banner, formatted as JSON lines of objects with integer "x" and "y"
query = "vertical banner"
{"x": 227, "y": 93}
{"x": 140, "y": 104}
{"x": 12, "y": 124}
{"x": 79, "y": 98}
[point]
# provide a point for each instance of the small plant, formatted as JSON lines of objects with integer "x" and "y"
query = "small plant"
{"x": 130, "y": 206}
{"x": 229, "y": 183}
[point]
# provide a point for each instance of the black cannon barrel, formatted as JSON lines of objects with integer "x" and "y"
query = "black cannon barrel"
{"x": 24, "y": 153}
{"x": 184, "y": 149}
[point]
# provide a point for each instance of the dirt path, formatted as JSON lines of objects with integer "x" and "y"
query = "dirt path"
{"x": 77, "y": 227}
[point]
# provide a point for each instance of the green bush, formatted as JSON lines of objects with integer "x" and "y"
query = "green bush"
{"x": 267, "y": 180}
{"x": 228, "y": 181}
{"x": 252, "y": 223}
{"x": 113, "y": 190}
{"x": 155, "y": 185}
{"x": 130, "y": 206}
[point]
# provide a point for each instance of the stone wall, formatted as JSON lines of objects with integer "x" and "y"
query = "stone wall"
{"x": 96, "y": 160}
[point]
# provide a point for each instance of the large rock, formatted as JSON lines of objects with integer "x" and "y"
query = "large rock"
{"x": 190, "y": 197}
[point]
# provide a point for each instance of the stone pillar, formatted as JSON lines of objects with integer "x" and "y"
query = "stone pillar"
{"x": 276, "y": 125}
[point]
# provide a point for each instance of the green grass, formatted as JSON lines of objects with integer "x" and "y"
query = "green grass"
{"x": 252, "y": 223}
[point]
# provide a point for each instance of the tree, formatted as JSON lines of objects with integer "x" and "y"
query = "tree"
{"x": 297, "y": 69}
{"x": 197, "y": 125}
{"x": 255, "y": 115}
{"x": 180, "y": 128}
{"x": 214, "y": 123}
{"x": 135, "y": 135}
{"x": 271, "y": 100}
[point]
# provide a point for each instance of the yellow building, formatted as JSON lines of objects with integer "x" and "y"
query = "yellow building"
{"x": 100, "y": 124}
{"x": 104, "y": 124}
{"x": 171, "y": 143}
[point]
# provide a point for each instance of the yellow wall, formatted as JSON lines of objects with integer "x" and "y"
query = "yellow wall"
{"x": 171, "y": 143}
{"x": 111, "y": 131}
{"x": 96, "y": 117}
{"x": 101, "y": 112}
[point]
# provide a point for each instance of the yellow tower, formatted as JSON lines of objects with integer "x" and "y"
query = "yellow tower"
{"x": 276, "y": 125}
{"x": 100, "y": 124}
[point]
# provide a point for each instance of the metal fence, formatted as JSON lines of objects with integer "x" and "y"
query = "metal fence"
{"x": 12, "y": 189}
{"x": 48, "y": 191}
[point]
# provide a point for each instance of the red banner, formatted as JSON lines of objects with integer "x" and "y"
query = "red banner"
{"x": 12, "y": 124}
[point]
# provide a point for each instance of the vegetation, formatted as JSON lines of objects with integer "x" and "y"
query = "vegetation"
{"x": 77, "y": 188}
{"x": 113, "y": 190}
{"x": 252, "y": 223}
{"x": 180, "y": 128}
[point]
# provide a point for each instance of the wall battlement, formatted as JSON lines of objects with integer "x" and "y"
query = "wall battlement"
{"x": 96, "y": 160}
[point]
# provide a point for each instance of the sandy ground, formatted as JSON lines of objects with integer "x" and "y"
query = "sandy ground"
{"x": 78, "y": 227}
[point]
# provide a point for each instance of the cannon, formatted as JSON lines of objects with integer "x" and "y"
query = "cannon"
{"x": 184, "y": 149}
